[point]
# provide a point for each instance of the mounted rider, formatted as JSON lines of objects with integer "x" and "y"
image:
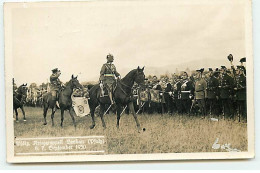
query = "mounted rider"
{"x": 56, "y": 85}
{"x": 108, "y": 76}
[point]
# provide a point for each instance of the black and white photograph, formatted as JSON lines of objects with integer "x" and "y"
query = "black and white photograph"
{"x": 129, "y": 80}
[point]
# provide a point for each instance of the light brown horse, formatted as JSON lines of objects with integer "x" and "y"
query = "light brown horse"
{"x": 65, "y": 101}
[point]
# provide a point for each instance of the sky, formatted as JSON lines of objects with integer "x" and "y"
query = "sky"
{"x": 76, "y": 37}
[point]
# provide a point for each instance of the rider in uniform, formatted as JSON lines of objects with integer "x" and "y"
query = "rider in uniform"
{"x": 108, "y": 75}
{"x": 56, "y": 85}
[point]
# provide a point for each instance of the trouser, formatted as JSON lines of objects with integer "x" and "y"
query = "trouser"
{"x": 227, "y": 107}
{"x": 202, "y": 106}
{"x": 242, "y": 109}
{"x": 211, "y": 106}
{"x": 186, "y": 105}
{"x": 109, "y": 87}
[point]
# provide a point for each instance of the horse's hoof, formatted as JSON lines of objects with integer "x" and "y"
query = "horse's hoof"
{"x": 92, "y": 126}
{"x": 24, "y": 120}
{"x": 139, "y": 129}
{"x": 44, "y": 124}
{"x": 17, "y": 121}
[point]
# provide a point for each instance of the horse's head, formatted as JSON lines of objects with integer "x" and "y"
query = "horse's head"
{"x": 139, "y": 76}
{"x": 22, "y": 91}
{"x": 75, "y": 83}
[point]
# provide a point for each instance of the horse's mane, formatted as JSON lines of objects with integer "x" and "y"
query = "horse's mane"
{"x": 130, "y": 74}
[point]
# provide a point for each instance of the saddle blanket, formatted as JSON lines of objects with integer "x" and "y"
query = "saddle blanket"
{"x": 80, "y": 106}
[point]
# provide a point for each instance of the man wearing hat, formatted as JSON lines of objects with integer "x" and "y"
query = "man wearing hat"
{"x": 55, "y": 85}
{"x": 212, "y": 92}
{"x": 240, "y": 90}
{"x": 187, "y": 92}
{"x": 200, "y": 90}
{"x": 108, "y": 75}
{"x": 177, "y": 94}
{"x": 226, "y": 86}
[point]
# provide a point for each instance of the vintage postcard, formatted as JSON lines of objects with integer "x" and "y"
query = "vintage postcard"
{"x": 129, "y": 80}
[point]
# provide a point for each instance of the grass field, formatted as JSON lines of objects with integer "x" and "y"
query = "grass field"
{"x": 163, "y": 134}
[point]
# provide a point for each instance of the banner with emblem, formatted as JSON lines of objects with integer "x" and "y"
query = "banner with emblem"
{"x": 144, "y": 95}
{"x": 155, "y": 95}
{"x": 80, "y": 106}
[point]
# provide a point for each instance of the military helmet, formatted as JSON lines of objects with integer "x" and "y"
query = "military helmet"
{"x": 110, "y": 56}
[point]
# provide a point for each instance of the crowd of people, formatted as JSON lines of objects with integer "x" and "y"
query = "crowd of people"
{"x": 220, "y": 91}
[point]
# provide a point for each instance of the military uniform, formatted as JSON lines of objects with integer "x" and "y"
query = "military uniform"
{"x": 226, "y": 92}
{"x": 187, "y": 89}
{"x": 155, "y": 106}
{"x": 212, "y": 93}
{"x": 200, "y": 90}
{"x": 55, "y": 84}
{"x": 108, "y": 75}
{"x": 240, "y": 95}
{"x": 176, "y": 96}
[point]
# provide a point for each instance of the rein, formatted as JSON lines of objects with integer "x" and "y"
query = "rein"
{"x": 123, "y": 89}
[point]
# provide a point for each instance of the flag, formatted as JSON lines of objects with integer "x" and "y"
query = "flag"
{"x": 155, "y": 95}
{"x": 80, "y": 106}
{"x": 144, "y": 95}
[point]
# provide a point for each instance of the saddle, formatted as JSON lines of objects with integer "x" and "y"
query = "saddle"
{"x": 104, "y": 89}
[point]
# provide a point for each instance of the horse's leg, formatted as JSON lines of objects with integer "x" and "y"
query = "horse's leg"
{"x": 118, "y": 106}
{"x": 101, "y": 114}
{"x": 24, "y": 119}
{"x": 92, "y": 112}
{"x": 92, "y": 108}
{"x": 52, "y": 115}
{"x": 72, "y": 116}
{"x": 45, "y": 109}
{"x": 62, "y": 117}
{"x": 16, "y": 114}
{"x": 131, "y": 108}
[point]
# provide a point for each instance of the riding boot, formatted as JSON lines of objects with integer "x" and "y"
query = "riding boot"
{"x": 57, "y": 105}
{"x": 111, "y": 99}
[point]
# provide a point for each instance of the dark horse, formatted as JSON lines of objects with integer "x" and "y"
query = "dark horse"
{"x": 122, "y": 95}
{"x": 19, "y": 99}
{"x": 65, "y": 101}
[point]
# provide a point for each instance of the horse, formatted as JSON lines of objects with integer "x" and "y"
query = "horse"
{"x": 19, "y": 99}
{"x": 64, "y": 100}
{"x": 122, "y": 94}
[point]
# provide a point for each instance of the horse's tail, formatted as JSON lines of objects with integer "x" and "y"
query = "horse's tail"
{"x": 93, "y": 97}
